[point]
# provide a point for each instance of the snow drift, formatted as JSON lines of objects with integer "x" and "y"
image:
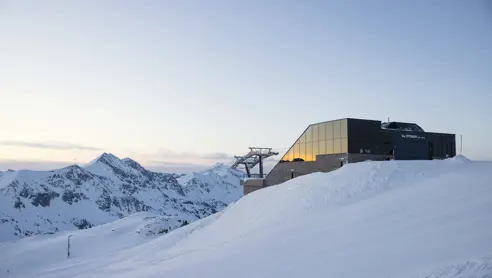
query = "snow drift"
{"x": 370, "y": 219}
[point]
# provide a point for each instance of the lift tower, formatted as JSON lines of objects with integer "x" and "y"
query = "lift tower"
{"x": 252, "y": 158}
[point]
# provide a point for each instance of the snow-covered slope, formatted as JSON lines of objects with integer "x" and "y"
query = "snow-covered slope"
{"x": 371, "y": 219}
{"x": 108, "y": 188}
{"x": 218, "y": 183}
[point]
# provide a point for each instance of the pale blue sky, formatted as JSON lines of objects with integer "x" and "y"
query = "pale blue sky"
{"x": 173, "y": 83}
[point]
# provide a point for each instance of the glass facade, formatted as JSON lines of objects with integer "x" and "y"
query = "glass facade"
{"x": 319, "y": 139}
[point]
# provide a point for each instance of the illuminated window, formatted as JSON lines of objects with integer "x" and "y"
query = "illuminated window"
{"x": 309, "y": 151}
{"x": 286, "y": 156}
{"x": 322, "y": 132}
{"x": 302, "y": 151}
{"x": 303, "y": 138}
{"x": 329, "y": 131}
{"x": 309, "y": 134}
{"x": 336, "y": 130}
{"x": 295, "y": 153}
{"x": 322, "y": 147}
{"x": 337, "y": 146}
{"x": 291, "y": 154}
{"x": 315, "y": 132}
{"x": 315, "y": 149}
{"x": 329, "y": 147}
{"x": 343, "y": 128}
{"x": 344, "y": 145}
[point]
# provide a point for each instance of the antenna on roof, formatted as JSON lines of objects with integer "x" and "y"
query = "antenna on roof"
{"x": 388, "y": 119}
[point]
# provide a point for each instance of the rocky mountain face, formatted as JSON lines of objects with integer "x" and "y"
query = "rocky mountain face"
{"x": 109, "y": 188}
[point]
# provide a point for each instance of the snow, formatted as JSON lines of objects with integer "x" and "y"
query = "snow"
{"x": 108, "y": 188}
{"x": 184, "y": 179}
{"x": 425, "y": 219}
{"x": 102, "y": 166}
{"x": 26, "y": 175}
{"x": 224, "y": 179}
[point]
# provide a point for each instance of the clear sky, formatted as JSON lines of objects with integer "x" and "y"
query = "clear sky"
{"x": 189, "y": 83}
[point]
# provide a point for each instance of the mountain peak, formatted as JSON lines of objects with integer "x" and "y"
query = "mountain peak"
{"x": 106, "y": 158}
{"x": 109, "y": 156}
{"x": 223, "y": 170}
{"x": 71, "y": 167}
{"x": 132, "y": 163}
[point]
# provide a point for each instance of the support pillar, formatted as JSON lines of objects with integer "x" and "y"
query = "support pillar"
{"x": 261, "y": 166}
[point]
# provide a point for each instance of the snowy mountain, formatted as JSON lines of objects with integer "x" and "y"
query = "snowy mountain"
{"x": 427, "y": 219}
{"x": 108, "y": 188}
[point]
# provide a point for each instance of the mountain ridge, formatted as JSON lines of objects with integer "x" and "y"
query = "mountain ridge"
{"x": 106, "y": 189}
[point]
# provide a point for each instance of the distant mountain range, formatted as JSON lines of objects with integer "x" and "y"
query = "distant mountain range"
{"x": 109, "y": 188}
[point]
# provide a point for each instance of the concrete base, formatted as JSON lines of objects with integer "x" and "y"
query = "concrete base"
{"x": 324, "y": 163}
{"x": 251, "y": 185}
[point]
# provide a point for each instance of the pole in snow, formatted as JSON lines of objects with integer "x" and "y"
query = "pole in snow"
{"x": 461, "y": 143}
{"x": 68, "y": 248}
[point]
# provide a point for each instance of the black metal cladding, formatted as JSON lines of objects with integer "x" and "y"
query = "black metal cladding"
{"x": 408, "y": 141}
{"x": 365, "y": 136}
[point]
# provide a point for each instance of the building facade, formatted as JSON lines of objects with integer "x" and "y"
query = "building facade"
{"x": 327, "y": 146}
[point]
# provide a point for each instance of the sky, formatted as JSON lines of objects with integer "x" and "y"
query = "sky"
{"x": 183, "y": 84}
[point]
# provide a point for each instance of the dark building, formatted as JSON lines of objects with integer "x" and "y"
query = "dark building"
{"x": 326, "y": 146}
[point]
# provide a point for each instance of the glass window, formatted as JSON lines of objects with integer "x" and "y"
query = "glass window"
{"x": 329, "y": 131}
{"x": 286, "y": 156}
{"x": 322, "y": 147}
{"x": 295, "y": 153}
{"x": 343, "y": 128}
{"x": 329, "y": 147}
{"x": 344, "y": 145}
{"x": 315, "y": 133}
{"x": 302, "y": 139}
{"x": 309, "y": 151}
{"x": 336, "y": 129}
{"x": 309, "y": 134}
{"x": 315, "y": 149}
{"x": 337, "y": 146}
{"x": 302, "y": 151}
{"x": 322, "y": 132}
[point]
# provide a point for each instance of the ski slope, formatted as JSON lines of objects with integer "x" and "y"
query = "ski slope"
{"x": 429, "y": 219}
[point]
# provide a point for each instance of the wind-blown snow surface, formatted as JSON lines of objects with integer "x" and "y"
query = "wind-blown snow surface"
{"x": 371, "y": 219}
{"x": 108, "y": 188}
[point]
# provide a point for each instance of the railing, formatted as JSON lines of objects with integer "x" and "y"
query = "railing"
{"x": 254, "y": 177}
